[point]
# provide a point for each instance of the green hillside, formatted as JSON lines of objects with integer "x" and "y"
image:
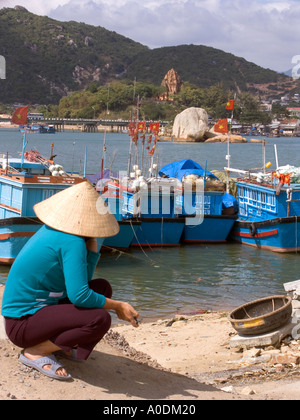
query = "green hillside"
{"x": 47, "y": 59}
{"x": 200, "y": 65}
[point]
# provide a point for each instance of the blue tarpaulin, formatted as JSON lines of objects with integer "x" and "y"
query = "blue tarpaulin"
{"x": 183, "y": 168}
{"x": 230, "y": 201}
{"x": 107, "y": 174}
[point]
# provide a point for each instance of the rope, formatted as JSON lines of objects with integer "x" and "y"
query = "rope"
{"x": 136, "y": 238}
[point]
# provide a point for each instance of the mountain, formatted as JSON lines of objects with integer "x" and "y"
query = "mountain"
{"x": 206, "y": 66}
{"x": 47, "y": 59}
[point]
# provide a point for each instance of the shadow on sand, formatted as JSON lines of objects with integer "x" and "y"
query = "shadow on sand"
{"x": 118, "y": 377}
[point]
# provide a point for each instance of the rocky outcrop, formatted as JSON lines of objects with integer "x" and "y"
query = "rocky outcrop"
{"x": 81, "y": 75}
{"x": 223, "y": 138}
{"x": 20, "y": 8}
{"x": 88, "y": 41}
{"x": 172, "y": 82}
{"x": 191, "y": 125}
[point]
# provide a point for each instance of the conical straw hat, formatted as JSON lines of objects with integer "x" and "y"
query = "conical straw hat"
{"x": 78, "y": 210}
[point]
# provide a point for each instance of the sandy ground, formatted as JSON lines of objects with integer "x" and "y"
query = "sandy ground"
{"x": 185, "y": 358}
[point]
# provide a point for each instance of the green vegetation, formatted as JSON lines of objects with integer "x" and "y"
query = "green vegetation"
{"x": 47, "y": 59}
{"x": 119, "y": 99}
{"x": 115, "y": 99}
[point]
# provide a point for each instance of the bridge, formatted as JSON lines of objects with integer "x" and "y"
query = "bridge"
{"x": 86, "y": 125}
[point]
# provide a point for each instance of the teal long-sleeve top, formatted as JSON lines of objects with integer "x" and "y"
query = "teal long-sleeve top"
{"x": 51, "y": 266}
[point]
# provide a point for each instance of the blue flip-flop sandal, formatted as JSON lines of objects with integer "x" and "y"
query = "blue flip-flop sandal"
{"x": 39, "y": 364}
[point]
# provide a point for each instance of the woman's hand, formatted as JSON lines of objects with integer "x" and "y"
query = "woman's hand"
{"x": 127, "y": 313}
{"x": 123, "y": 310}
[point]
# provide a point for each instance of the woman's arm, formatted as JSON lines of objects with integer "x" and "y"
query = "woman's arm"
{"x": 80, "y": 294}
{"x": 123, "y": 310}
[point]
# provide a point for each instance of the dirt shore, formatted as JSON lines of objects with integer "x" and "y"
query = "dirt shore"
{"x": 184, "y": 358}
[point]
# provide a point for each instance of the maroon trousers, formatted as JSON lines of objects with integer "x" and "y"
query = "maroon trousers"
{"x": 65, "y": 325}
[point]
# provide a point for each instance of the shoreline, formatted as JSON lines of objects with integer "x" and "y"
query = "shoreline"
{"x": 185, "y": 358}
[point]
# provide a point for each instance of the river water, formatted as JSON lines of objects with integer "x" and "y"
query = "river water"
{"x": 162, "y": 282}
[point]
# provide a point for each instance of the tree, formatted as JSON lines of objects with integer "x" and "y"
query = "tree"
{"x": 279, "y": 111}
{"x": 250, "y": 110}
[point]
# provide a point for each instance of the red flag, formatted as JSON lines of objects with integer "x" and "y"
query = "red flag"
{"x": 221, "y": 126}
{"x": 154, "y": 127}
{"x": 20, "y": 116}
{"x": 230, "y": 104}
{"x": 142, "y": 126}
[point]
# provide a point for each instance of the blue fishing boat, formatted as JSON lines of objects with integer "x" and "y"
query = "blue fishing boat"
{"x": 128, "y": 228}
{"x": 158, "y": 232}
{"x": 148, "y": 201}
{"x": 23, "y": 183}
{"x": 269, "y": 211}
{"x": 38, "y": 128}
{"x": 110, "y": 192}
{"x": 209, "y": 211}
{"x": 152, "y": 204}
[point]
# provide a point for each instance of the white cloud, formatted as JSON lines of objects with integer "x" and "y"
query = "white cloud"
{"x": 263, "y": 31}
{"x": 38, "y": 7}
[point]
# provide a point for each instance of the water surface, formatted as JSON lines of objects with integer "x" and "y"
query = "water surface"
{"x": 162, "y": 282}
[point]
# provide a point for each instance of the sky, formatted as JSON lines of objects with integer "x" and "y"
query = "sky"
{"x": 265, "y": 32}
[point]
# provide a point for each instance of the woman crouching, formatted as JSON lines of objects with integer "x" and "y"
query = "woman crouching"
{"x": 50, "y": 303}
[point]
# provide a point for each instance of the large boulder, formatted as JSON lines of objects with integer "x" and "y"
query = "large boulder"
{"x": 191, "y": 125}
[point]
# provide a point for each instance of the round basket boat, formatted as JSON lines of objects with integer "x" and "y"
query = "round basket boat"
{"x": 262, "y": 315}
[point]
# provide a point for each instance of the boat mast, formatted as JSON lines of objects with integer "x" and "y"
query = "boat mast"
{"x": 85, "y": 162}
{"x": 133, "y": 133}
{"x": 136, "y": 155}
{"x": 228, "y": 157}
{"x": 23, "y": 149}
{"x": 102, "y": 160}
{"x": 130, "y": 145}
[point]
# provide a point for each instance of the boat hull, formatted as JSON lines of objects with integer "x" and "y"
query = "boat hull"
{"x": 123, "y": 239}
{"x": 14, "y": 234}
{"x": 277, "y": 235}
{"x": 213, "y": 229}
{"x": 158, "y": 232}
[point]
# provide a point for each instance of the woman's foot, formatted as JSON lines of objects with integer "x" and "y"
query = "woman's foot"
{"x": 40, "y": 363}
{"x": 43, "y": 350}
{"x": 60, "y": 371}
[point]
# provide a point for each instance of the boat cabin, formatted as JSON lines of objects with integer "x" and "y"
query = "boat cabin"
{"x": 25, "y": 168}
{"x": 23, "y": 184}
{"x": 258, "y": 202}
